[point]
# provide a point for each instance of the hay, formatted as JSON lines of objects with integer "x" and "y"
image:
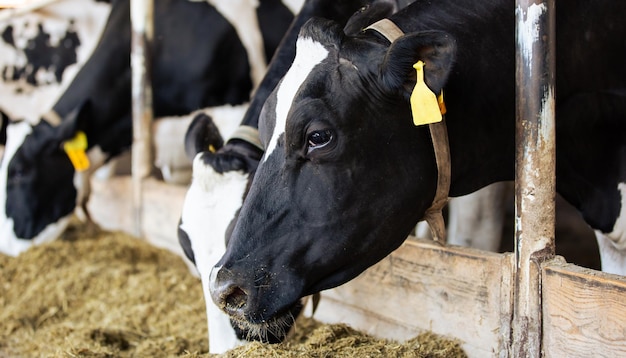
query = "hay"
{"x": 340, "y": 340}
{"x": 103, "y": 294}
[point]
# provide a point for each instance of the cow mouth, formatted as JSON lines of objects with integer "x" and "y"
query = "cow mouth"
{"x": 273, "y": 330}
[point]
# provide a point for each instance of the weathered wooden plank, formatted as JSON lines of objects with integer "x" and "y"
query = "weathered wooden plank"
{"x": 457, "y": 292}
{"x": 162, "y": 206}
{"x": 110, "y": 204}
{"x": 111, "y": 207}
{"x": 584, "y": 312}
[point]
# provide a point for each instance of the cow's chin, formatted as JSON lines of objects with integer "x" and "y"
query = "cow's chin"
{"x": 11, "y": 244}
{"x": 273, "y": 330}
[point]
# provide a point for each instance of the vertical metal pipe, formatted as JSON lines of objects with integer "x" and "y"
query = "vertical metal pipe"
{"x": 141, "y": 14}
{"x": 535, "y": 180}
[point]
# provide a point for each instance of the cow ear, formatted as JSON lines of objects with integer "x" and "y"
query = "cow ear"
{"x": 435, "y": 48}
{"x": 368, "y": 15}
{"x": 202, "y": 135}
{"x": 327, "y": 32}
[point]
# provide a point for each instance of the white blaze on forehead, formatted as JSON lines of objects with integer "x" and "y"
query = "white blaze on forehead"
{"x": 309, "y": 53}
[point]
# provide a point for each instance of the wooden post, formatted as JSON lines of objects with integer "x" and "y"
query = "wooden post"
{"x": 141, "y": 13}
{"x": 535, "y": 180}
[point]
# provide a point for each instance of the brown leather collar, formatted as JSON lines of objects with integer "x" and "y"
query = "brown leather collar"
{"x": 439, "y": 135}
{"x": 248, "y": 134}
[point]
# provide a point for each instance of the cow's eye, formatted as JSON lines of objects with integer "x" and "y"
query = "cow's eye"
{"x": 319, "y": 139}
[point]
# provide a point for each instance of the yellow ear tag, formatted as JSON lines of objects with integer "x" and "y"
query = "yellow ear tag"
{"x": 424, "y": 103}
{"x": 75, "y": 149}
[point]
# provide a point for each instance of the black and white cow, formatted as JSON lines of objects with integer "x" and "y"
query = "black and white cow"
{"x": 243, "y": 150}
{"x": 346, "y": 174}
{"x": 42, "y": 50}
{"x": 198, "y": 60}
{"x": 220, "y": 179}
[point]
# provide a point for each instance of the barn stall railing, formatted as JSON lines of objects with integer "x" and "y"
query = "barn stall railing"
{"x": 142, "y": 25}
{"x": 535, "y": 180}
{"x": 523, "y": 304}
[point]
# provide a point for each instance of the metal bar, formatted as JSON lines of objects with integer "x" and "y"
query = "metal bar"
{"x": 141, "y": 13}
{"x": 535, "y": 180}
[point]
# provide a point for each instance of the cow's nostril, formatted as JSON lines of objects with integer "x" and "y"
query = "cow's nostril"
{"x": 236, "y": 299}
{"x": 229, "y": 296}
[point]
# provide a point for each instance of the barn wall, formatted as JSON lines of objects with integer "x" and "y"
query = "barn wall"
{"x": 111, "y": 207}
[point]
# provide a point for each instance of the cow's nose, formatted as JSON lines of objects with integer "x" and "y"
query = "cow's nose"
{"x": 226, "y": 294}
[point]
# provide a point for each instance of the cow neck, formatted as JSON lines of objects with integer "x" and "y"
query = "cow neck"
{"x": 439, "y": 136}
{"x": 75, "y": 148}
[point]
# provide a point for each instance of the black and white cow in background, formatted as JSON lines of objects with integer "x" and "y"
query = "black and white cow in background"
{"x": 220, "y": 179}
{"x": 199, "y": 61}
{"x": 40, "y": 53}
{"x": 346, "y": 175}
{"x": 42, "y": 50}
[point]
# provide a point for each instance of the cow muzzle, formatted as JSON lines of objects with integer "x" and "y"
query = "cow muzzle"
{"x": 252, "y": 319}
{"x": 227, "y": 294}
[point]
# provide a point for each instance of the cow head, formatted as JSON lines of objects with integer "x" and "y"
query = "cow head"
{"x": 38, "y": 182}
{"x": 37, "y": 178}
{"x": 345, "y": 176}
{"x": 211, "y": 204}
{"x": 220, "y": 179}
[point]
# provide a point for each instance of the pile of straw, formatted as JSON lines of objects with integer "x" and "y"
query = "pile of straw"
{"x": 103, "y": 294}
{"x": 338, "y": 340}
